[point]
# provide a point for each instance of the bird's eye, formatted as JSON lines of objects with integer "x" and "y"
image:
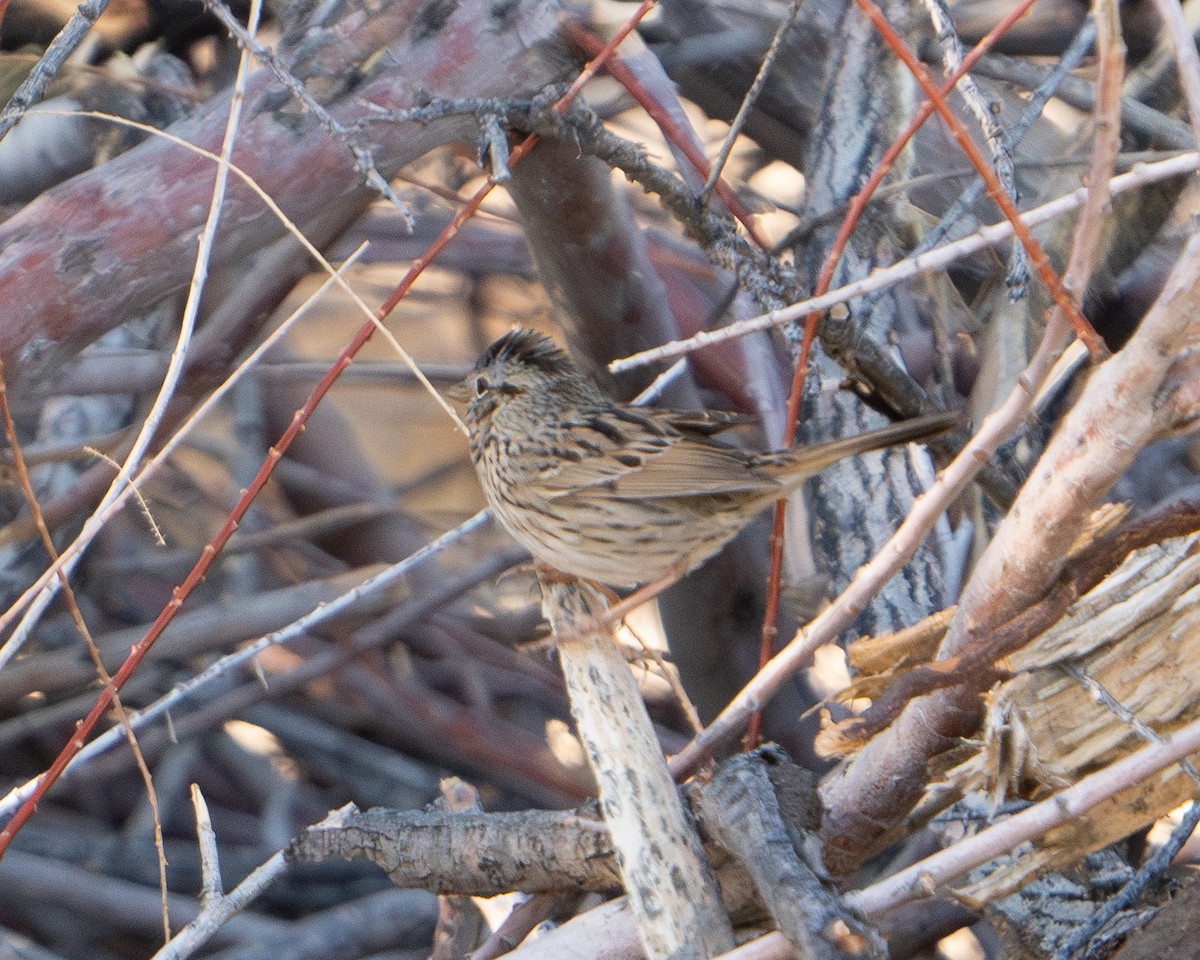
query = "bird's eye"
{"x": 481, "y": 386}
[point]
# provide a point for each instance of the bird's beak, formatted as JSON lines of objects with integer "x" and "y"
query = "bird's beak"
{"x": 461, "y": 391}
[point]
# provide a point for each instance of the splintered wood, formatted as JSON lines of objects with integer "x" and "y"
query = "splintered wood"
{"x": 1118, "y": 670}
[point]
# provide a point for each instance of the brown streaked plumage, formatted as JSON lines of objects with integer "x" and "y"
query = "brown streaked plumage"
{"x": 618, "y": 494}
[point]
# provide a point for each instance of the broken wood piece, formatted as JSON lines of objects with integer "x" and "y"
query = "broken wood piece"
{"x": 758, "y": 817}
{"x": 1116, "y": 672}
{"x": 741, "y": 809}
{"x": 479, "y": 854}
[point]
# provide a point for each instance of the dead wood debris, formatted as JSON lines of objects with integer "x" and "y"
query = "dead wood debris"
{"x": 758, "y": 814}
{"x": 436, "y": 674}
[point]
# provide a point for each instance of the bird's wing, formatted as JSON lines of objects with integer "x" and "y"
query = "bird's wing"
{"x": 691, "y": 468}
{"x": 702, "y": 423}
{"x": 645, "y": 456}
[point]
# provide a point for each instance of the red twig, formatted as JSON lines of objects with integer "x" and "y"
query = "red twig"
{"x": 670, "y": 129}
{"x": 606, "y": 52}
{"x": 1062, "y": 299}
{"x": 853, "y": 214}
{"x": 274, "y": 455}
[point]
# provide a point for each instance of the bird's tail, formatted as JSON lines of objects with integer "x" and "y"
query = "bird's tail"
{"x": 807, "y": 461}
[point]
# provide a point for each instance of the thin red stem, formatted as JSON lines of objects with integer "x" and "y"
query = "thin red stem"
{"x": 210, "y": 552}
{"x": 1062, "y": 299}
{"x": 670, "y": 129}
{"x": 824, "y": 280}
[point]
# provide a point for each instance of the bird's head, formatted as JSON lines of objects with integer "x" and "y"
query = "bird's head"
{"x": 520, "y": 363}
